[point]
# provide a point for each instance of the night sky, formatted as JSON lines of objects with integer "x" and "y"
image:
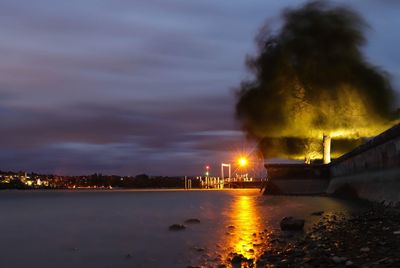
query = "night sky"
{"x": 129, "y": 87}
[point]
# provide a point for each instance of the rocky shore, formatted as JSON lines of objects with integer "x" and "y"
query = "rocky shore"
{"x": 367, "y": 239}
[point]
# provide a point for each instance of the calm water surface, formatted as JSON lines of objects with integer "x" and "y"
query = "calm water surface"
{"x": 130, "y": 228}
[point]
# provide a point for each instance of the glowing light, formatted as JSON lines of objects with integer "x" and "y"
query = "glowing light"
{"x": 243, "y": 161}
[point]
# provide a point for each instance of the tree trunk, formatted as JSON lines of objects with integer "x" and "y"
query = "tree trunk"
{"x": 326, "y": 143}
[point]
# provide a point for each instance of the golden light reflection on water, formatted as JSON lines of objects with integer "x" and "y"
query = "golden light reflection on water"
{"x": 245, "y": 235}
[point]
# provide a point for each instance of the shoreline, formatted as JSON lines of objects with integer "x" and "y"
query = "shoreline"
{"x": 128, "y": 190}
{"x": 368, "y": 238}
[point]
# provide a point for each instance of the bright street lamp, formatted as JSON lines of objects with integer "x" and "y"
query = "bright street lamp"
{"x": 242, "y": 161}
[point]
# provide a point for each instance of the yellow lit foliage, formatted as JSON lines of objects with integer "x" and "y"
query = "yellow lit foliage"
{"x": 342, "y": 114}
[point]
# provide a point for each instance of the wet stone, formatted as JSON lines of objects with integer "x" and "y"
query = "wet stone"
{"x": 291, "y": 224}
{"x": 317, "y": 213}
{"x": 237, "y": 259}
{"x": 365, "y": 249}
{"x": 192, "y": 220}
{"x": 177, "y": 227}
{"x": 199, "y": 249}
{"x": 338, "y": 260}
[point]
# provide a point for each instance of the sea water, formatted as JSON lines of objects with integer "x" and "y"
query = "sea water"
{"x": 113, "y": 228}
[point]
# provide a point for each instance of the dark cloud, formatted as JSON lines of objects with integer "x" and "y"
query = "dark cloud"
{"x": 109, "y": 138}
{"x": 115, "y": 122}
{"x": 135, "y": 86}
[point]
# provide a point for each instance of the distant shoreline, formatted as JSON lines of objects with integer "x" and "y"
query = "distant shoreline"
{"x": 129, "y": 189}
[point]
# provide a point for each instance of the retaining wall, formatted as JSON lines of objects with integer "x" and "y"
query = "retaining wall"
{"x": 372, "y": 170}
{"x": 302, "y": 186}
{"x": 299, "y": 178}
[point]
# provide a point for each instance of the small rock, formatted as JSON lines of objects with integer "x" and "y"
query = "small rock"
{"x": 128, "y": 256}
{"x": 177, "y": 227}
{"x": 317, "y": 213}
{"x": 382, "y": 260}
{"x": 291, "y": 224}
{"x": 396, "y": 232}
{"x": 238, "y": 259}
{"x": 199, "y": 249}
{"x": 338, "y": 260}
{"x": 366, "y": 249}
{"x": 349, "y": 264}
{"x": 192, "y": 220}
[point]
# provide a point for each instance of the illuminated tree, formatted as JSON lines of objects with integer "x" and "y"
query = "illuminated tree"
{"x": 312, "y": 83}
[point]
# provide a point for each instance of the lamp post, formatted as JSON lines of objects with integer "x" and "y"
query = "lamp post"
{"x": 242, "y": 163}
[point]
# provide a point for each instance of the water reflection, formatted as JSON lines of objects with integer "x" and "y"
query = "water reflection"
{"x": 245, "y": 235}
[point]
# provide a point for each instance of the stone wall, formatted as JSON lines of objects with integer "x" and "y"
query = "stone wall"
{"x": 299, "y": 179}
{"x": 302, "y": 186}
{"x": 372, "y": 170}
